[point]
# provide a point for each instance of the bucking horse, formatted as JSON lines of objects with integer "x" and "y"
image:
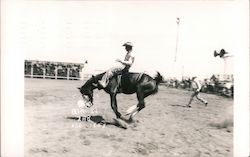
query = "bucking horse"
{"x": 128, "y": 83}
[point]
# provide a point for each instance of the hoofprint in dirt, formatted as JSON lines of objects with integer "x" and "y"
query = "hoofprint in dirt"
{"x": 164, "y": 128}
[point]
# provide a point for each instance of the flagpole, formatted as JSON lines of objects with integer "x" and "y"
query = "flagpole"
{"x": 177, "y": 38}
{"x": 175, "y": 68}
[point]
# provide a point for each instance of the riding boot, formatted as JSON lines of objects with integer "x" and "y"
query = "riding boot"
{"x": 101, "y": 84}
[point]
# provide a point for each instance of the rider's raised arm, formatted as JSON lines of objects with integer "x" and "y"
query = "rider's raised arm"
{"x": 129, "y": 62}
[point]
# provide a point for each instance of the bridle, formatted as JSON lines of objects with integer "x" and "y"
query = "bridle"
{"x": 87, "y": 102}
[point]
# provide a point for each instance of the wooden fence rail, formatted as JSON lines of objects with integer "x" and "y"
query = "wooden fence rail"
{"x": 53, "y": 70}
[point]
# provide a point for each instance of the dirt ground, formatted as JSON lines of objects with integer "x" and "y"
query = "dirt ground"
{"x": 163, "y": 129}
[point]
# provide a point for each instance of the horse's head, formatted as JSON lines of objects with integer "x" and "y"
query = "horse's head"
{"x": 87, "y": 95}
{"x": 87, "y": 89}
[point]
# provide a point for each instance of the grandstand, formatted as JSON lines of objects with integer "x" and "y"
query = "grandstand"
{"x": 53, "y": 70}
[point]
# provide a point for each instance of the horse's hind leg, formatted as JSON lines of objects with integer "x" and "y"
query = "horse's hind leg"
{"x": 143, "y": 91}
{"x": 140, "y": 105}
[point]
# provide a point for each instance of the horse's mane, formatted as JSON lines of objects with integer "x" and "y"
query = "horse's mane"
{"x": 92, "y": 79}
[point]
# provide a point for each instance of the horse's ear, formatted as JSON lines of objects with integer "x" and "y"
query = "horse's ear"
{"x": 93, "y": 77}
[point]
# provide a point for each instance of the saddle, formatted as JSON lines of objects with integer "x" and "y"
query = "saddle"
{"x": 119, "y": 82}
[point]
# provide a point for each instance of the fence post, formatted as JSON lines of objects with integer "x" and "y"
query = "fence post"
{"x": 68, "y": 73}
{"x": 44, "y": 70}
{"x": 31, "y": 73}
{"x": 56, "y": 71}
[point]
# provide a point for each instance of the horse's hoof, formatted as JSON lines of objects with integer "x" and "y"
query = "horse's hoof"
{"x": 123, "y": 118}
{"x": 120, "y": 123}
{"x": 131, "y": 120}
{"x": 118, "y": 116}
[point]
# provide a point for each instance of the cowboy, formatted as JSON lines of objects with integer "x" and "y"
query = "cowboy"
{"x": 123, "y": 67}
{"x": 197, "y": 88}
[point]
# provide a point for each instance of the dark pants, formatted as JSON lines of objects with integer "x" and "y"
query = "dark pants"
{"x": 196, "y": 94}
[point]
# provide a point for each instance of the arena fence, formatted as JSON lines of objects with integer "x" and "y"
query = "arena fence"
{"x": 53, "y": 70}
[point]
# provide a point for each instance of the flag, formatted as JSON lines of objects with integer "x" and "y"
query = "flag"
{"x": 177, "y": 20}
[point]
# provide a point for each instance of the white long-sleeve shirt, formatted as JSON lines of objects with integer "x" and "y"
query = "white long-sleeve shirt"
{"x": 127, "y": 61}
{"x": 196, "y": 85}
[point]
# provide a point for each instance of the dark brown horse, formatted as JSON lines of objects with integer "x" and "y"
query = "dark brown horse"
{"x": 141, "y": 84}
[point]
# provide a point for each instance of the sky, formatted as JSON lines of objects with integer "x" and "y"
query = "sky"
{"x": 72, "y": 31}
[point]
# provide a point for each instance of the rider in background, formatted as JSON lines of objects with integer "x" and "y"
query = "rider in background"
{"x": 123, "y": 67}
{"x": 196, "y": 86}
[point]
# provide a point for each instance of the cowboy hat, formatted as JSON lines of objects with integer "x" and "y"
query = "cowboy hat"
{"x": 128, "y": 44}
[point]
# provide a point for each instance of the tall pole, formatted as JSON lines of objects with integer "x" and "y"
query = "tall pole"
{"x": 177, "y": 38}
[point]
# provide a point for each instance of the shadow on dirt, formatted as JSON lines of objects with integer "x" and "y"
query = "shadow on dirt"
{"x": 73, "y": 118}
{"x": 184, "y": 106}
{"x": 227, "y": 123}
{"x": 100, "y": 120}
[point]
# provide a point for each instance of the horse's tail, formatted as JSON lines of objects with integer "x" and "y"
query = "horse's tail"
{"x": 158, "y": 78}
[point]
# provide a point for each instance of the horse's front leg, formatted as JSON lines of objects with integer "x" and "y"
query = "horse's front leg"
{"x": 114, "y": 105}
